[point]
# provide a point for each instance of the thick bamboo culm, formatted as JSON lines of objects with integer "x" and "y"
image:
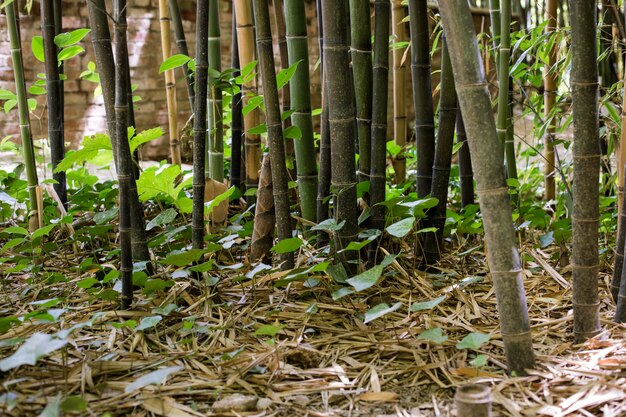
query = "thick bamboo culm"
{"x": 503, "y": 256}
{"x": 586, "y": 155}
{"x": 422, "y": 94}
{"x": 170, "y": 84}
{"x": 298, "y": 52}
{"x": 245, "y": 37}
{"x": 473, "y": 400}
{"x": 264, "y": 215}
{"x": 275, "y": 142}
{"x": 200, "y": 123}
{"x": 181, "y": 45}
{"x": 341, "y": 119}
{"x": 124, "y": 167}
{"x": 24, "y": 117}
{"x": 378, "y": 164}
{"x": 361, "y": 52}
{"x": 55, "y": 101}
{"x": 398, "y": 14}
{"x": 215, "y": 162}
{"x": 549, "y": 100}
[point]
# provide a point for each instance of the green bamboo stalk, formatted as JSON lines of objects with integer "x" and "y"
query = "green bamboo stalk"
{"x": 503, "y": 256}
{"x": 378, "y": 164}
{"x": 55, "y": 104}
{"x": 586, "y": 211}
{"x": 200, "y": 124}
{"x": 433, "y": 242}
{"x": 341, "y": 118}
{"x": 422, "y": 94}
{"x": 298, "y": 52}
{"x": 361, "y": 51}
{"x": 181, "y": 44}
{"x": 24, "y": 117}
{"x": 124, "y": 168}
{"x": 466, "y": 174}
{"x": 398, "y": 16}
{"x": 215, "y": 165}
{"x": 280, "y": 176}
{"x": 549, "y": 100}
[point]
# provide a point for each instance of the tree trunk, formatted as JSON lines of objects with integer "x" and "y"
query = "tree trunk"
{"x": 503, "y": 257}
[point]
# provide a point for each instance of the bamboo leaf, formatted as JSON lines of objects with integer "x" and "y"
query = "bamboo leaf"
{"x": 63, "y": 40}
{"x": 379, "y": 311}
{"x": 174, "y": 61}
{"x": 157, "y": 377}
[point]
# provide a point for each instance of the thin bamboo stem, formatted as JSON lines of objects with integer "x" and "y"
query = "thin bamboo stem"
{"x": 549, "y": 100}
{"x": 181, "y": 44}
{"x": 215, "y": 165}
{"x": 236, "y": 127}
{"x": 398, "y": 14}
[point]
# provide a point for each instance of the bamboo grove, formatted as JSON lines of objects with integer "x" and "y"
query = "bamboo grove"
{"x": 333, "y": 180}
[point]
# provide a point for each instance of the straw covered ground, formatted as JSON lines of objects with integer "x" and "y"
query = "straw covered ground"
{"x": 252, "y": 348}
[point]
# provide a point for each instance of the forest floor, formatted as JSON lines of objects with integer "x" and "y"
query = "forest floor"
{"x": 294, "y": 351}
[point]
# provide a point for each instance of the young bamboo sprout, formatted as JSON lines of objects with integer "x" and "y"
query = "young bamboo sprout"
{"x": 503, "y": 256}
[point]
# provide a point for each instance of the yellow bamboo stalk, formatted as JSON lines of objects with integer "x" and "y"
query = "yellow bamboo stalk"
{"x": 549, "y": 99}
{"x": 170, "y": 84}
{"x": 245, "y": 36}
{"x": 398, "y": 13}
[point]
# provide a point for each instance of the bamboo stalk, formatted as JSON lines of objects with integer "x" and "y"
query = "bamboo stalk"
{"x": 264, "y": 215}
{"x": 433, "y": 242}
{"x": 215, "y": 165}
{"x": 200, "y": 123}
{"x": 236, "y": 127}
{"x": 300, "y": 86}
{"x": 361, "y": 52}
{"x": 503, "y": 256}
{"x": 422, "y": 94}
{"x": 245, "y": 36}
{"x": 170, "y": 84}
{"x": 378, "y": 164}
{"x": 586, "y": 212}
{"x": 55, "y": 102}
{"x": 280, "y": 176}
{"x": 341, "y": 116}
{"x": 24, "y": 118}
{"x": 549, "y": 100}
{"x": 181, "y": 44}
{"x": 124, "y": 168}
{"x": 504, "y": 56}
{"x": 466, "y": 174}
{"x": 398, "y": 13}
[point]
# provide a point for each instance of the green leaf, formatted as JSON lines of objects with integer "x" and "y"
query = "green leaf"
{"x": 70, "y": 52}
{"x": 218, "y": 200}
{"x": 36, "y": 45}
{"x": 36, "y": 90}
{"x": 248, "y": 68}
{"x": 341, "y": 292}
{"x": 366, "y": 279}
{"x": 258, "y": 130}
{"x": 87, "y": 283}
{"x": 337, "y": 272}
{"x": 162, "y": 219}
{"x": 52, "y": 408}
{"x": 66, "y": 39}
{"x": 293, "y": 132}
{"x": 32, "y": 104}
{"x": 16, "y": 230}
{"x": 144, "y": 137}
{"x": 174, "y": 61}
{"x": 479, "y": 361}
{"x": 74, "y": 403}
{"x": 9, "y": 104}
{"x": 312, "y": 308}
{"x": 148, "y": 322}
{"x": 287, "y": 245}
{"x": 183, "y": 257}
{"x": 43, "y": 231}
{"x": 434, "y": 335}
{"x": 35, "y": 347}
{"x": 270, "y": 330}
{"x": 105, "y": 217}
{"x": 329, "y": 225}
{"x": 401, "y": 228}
{"x": 7, "y": 95}
{"x": 379, "y": 311}
{"x": 157, "y": 377}
{"x": 91, "y": 147}
{"x": 284, "y": 75}
{"x": 427, "y": 305}
{"x": 473, "y": 341}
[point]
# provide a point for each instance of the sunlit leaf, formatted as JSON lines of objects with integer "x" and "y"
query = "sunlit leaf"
{"x": 379, "y": 311}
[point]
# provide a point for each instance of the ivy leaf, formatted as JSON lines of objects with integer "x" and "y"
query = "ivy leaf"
{"x": 182, "y": 257}
{"x": 91, "y": 147}
{"x": 401, "y": 228}
{"x": 329, "y": 225}
{"x": 284, "y": 75}
{"x": 162, "y": 219}
{"x": 473, "y": 341}
{"x": 434, "y": 335}
{"x": 366, "y": 279}
{"x": 293, "y": 132}
{"x": 270, "y": 330}
{"x": 157, "y": 377}
{"x": 144, "y": 137}
{"x": 341, "y": 292}
{"x": 66, "y": 39}
{"x": 148, "y": 322}
{"x": 287, "y": 245}
{"x": 70, "y": 52}
{"x": 479, "y": 361}
{"x": 427, "y": 305}
{"x": 36, "y": 45}
{"x": 379, "y": 311}
{"x": 174, "y": 61}
{"x": 35, "y": 347}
